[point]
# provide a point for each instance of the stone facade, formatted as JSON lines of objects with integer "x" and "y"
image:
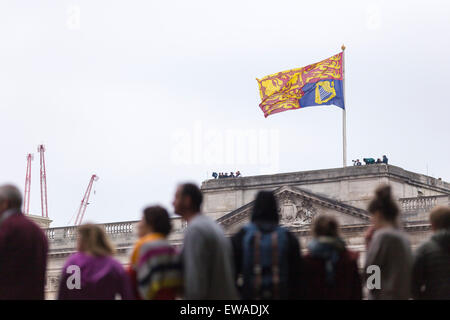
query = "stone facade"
{"x": 342, "y": 192}
{"x": 40, "y": 221}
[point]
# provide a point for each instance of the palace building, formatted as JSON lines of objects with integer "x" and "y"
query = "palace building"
{"x": 342, "y": 192}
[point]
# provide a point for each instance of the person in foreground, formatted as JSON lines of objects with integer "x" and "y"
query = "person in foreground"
{"x": 91, "y": 273}
{"x": 23, "y": 250}
{"x": 267, "y": 256}
{"x": 155, "y": 264}
{"x": 431, "y": 270}
{"x": 388, "y": 248}
{"x": 332, "y": 269}
{"x": 206, "y": 255}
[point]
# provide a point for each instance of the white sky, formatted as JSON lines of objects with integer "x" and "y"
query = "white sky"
{"x": 145, "y": 94}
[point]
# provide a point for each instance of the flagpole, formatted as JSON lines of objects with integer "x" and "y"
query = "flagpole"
{"x": 344, "y": 116}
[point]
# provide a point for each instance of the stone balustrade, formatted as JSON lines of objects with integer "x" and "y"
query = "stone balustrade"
{"x": 70, "y": 233}
{"x": 418, "y": 203}
{"x": 419, "y": 207}
{"x": 111, "y": 229}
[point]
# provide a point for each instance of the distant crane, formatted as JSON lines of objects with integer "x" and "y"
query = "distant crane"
{"x": 26, "y": 197}
{"x": 44, "y": 208}
{"x": 85, "y": 201}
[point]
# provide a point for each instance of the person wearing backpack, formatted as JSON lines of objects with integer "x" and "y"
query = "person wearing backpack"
{"x": 267, "y": 256}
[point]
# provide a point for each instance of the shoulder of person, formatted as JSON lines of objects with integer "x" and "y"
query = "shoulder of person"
{"x": 116, "y": 265}
{"x": 77, "y": 259}
{"x": 199, "y": 220}
{"x": 17, "y": 221}
{"x": 422, "y": 249}
{"x": 20, "y": 224}
{"x": 205, "y": 223}
{"x": 198, "y": 226}
{"x": 426, "y": 247}
{"x": 240, "y": 234}
{"x": 391, "y": 235}
{"x": 351, "y": 255}
{"x": 289, "y": 234}
{"x": 292, "y": 238}
{"x": 386, "y": 233}
{"x": 33, "y": 227}
{"x": 194, "y": 224}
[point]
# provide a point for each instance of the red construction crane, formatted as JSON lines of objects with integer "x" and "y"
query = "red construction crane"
{"x": 44, "y": 208}
{"x": 85, "y": 201}
{"x": 26, "y": 197}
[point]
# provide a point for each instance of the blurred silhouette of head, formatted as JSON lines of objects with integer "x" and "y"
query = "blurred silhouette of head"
{"x": 383, "y": 207}
{"x": 93, "y": 240}
{"x": 156, "y": 219}
{"x": 265, "y": 208}
{"x": 440, "y": 218}
{"x": 188, "y": 199}
{"x": 325, "y": 226}
{"x": 10, "y": 198}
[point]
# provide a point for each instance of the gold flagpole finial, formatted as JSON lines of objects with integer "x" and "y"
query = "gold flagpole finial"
{"x": 343, "y": 47}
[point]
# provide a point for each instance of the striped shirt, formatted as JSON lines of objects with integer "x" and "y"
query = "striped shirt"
{"x": 157, "y": 268}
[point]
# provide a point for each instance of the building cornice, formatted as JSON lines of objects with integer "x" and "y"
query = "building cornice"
{"x": 326, "y": 175}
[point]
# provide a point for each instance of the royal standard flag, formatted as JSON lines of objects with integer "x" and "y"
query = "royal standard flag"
{"x": 314, "y": 85}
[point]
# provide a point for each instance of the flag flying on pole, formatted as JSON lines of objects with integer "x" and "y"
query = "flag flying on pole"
{"x": 314, "y": 85}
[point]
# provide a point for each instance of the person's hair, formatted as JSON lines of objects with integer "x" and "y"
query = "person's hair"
{"x": 158, "y": 219}
{"x": 325, "y": 225}
{"x": 440, "y": 217}
{"x": 12, "y": 194}
{"x": 94, "y": 240}
{"x": 193, "y": 192}
{"x": 384, "y": 203}
{"x": 265, "y": 208}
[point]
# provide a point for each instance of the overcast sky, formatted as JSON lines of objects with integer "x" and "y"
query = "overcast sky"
{"x": 149, "y": 93}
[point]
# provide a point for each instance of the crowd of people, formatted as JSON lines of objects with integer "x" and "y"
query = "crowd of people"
{"x": 222, "y": 175}
{"x": 368, "y": 161}
{"x": 263, "y": 260}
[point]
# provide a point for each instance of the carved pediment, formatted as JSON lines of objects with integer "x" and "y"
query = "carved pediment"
{"x": 296, "y": 208}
